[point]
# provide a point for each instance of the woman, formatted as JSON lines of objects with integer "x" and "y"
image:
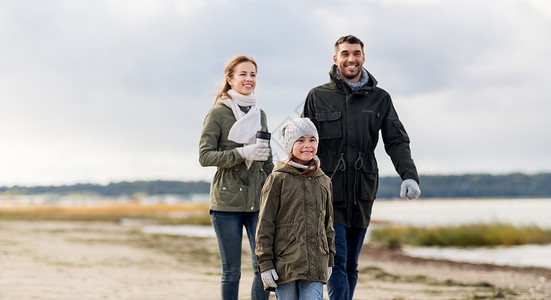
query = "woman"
{"x": 228, "y": 143}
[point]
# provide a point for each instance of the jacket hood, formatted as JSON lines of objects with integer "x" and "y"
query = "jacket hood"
{"x": 281, "y": 166}
{"x": 340, "y": 83}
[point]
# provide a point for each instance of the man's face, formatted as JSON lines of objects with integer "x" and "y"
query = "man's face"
{"x": 349, "y": 60}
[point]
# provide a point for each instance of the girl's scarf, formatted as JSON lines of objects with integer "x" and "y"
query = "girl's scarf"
{"x": 297, "y": 165}
{"x": 244, "y": 129}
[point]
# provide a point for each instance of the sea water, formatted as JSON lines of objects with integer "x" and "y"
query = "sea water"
{"x": 518, "y": 212}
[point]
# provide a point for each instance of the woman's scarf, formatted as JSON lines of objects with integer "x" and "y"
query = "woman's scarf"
{"x": 247, "y": 124}
{"x": 244, "y": 129}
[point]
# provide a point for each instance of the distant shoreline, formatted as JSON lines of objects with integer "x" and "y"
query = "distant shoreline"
{"x": 514, "y": 185}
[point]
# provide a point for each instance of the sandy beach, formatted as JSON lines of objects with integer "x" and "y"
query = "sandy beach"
{"x": 60, "y": 260}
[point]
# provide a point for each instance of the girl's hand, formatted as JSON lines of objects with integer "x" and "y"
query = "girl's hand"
{"x": 269, "y": 277}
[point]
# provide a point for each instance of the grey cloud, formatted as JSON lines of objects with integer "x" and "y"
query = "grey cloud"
{"x": 137, "y": 84}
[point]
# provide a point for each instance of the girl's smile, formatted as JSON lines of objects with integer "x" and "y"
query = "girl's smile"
{"x": 304, "y": 149}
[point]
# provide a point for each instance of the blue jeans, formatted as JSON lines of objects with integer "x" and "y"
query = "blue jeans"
{"x": 348, "y": 243}
{"x": 300, "y": 290}
{"x": 229, "y": 232}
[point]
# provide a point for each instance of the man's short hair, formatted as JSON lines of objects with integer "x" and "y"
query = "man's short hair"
{"x": 348, "y": 39}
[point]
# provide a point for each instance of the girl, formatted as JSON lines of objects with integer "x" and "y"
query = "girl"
{"x": 295, "y": 236}
{"x": 228, "y": 143}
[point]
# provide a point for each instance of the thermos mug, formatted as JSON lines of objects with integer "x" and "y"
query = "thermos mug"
{"x": 263, "y": 137}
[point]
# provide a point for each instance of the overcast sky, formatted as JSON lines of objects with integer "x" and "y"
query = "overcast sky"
{"x": 112, "y": 90}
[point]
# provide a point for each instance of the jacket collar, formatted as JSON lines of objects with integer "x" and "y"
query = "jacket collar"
{"x": 287, "y": 168}
{"x": 340, "y": 84}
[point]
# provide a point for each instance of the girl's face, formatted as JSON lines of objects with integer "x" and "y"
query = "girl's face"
{"x": 304, "y": 149}
{"x": 243, "y": 79}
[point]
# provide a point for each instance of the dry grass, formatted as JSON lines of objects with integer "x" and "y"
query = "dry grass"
{"x": 490, "y": 234}
{"x": 110, "y": 211}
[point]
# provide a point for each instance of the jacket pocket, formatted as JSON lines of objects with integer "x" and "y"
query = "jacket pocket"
{"x": 321, "y": 194}
{"x": 329, "y": 125}
{"x": 371, "y": 121}
{"x": 369, "y": 179}
{"x": 400, "y": 128}
{"x": 229, "y": 188}
{"x": 234, "y": 196}
{"x": 369, "y": 185}
{"x": 283, "y": 249}
{"x": 324, "y": 245}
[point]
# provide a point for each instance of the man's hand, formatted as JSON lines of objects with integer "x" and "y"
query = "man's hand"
{"x": 410, "y": 189}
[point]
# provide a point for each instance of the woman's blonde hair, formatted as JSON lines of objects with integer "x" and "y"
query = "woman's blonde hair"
{"x": 229, "y": 71}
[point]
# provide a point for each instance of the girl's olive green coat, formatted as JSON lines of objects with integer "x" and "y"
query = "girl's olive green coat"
{"x": 295, "y": 234}
{"x": 234, "y": 188}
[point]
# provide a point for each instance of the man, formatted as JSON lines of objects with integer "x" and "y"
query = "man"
{"x": 349, "y": 112}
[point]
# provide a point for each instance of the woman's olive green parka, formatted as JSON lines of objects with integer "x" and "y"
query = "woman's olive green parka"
{"x": 234, "y": 188}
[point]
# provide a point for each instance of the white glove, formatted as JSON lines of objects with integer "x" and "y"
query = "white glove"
{"x": 329, "y": 271}
{"x": 254, "y": 152}
{"x": 410, "y": 189}
{"x": 269, "y": 277}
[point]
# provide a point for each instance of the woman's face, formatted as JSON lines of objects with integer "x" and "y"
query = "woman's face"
{"x": 243, "y": 80}
{"x": 304, "y": 149}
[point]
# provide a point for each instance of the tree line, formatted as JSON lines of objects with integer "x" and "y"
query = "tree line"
{"x": 156, "y": 187}
{"x": 432, "y": 186}
{"x": 515, "y": 185}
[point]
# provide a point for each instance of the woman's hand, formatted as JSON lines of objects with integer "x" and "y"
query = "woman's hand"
{"x": 259, "y": 152}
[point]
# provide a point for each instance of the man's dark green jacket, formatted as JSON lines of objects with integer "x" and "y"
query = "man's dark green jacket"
{"x": 349, "y": 124}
